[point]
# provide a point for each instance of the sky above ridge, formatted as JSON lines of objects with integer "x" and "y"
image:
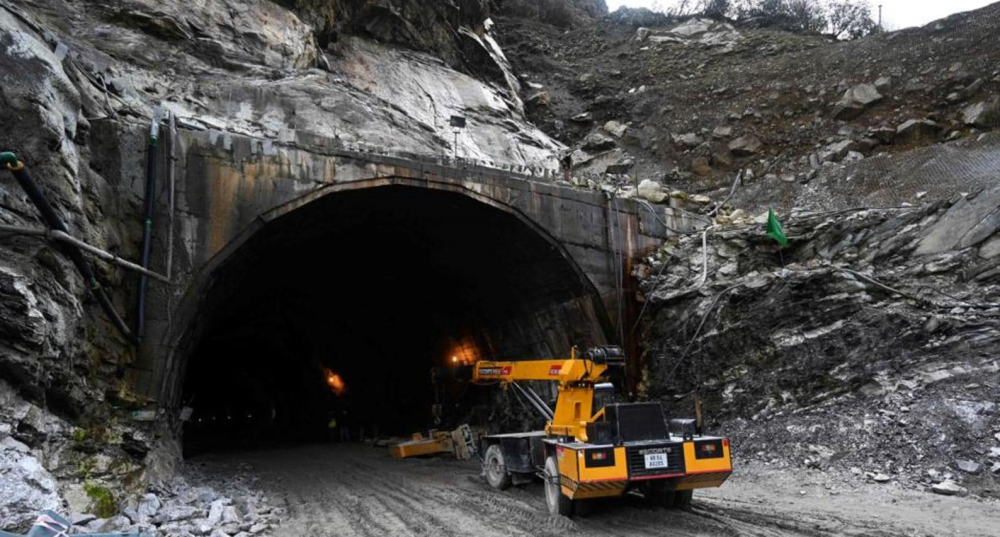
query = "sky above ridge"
{"x": 897, "y": 14}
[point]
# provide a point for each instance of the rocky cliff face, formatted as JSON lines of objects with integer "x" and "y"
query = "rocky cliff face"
{"x": 78, "y": 77}
{"x": 867, "y": 345}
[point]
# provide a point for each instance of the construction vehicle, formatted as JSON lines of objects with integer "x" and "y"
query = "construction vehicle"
{"x": 593, "y": 447}
{"x": 459, "y": 442}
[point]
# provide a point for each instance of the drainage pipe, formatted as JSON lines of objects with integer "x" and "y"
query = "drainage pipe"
{"x": 60, "y": 236}
{"x": 10, "y": 162}
{"x": 171, "y": 163}
{"x": 147, "y": 223}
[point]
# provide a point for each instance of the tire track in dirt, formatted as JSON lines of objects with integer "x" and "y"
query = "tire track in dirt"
{"x": 356, "y": 491}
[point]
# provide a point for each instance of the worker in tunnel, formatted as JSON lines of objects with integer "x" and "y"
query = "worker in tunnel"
{"x": 345, "y": 427}
{"x": 332, "y": 425}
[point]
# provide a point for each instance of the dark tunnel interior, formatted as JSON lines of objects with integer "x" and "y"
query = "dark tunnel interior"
{"x": 339, "y": 310}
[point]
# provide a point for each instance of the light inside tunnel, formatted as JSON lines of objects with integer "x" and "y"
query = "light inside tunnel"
{"x": 375, "y": 287}
{"x": 464, "y": 352}
{"x": 335, "y": 382}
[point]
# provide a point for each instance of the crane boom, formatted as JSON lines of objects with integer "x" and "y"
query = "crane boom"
{"x": 592, "y": 367}
{"x": 576, "y": 376}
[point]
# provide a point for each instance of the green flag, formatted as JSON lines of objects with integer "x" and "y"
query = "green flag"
{"x": 774, "y": 229}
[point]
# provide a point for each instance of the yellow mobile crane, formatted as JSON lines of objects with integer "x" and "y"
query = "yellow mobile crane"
{"x": 593, "y": 447}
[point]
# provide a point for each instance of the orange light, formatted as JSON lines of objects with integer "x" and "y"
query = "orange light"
{"x": 462, "y": 351}
{"x": 335, "y": 382}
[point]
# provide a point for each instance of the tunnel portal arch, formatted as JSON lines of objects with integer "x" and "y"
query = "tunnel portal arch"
{"x": 517, "y": 292}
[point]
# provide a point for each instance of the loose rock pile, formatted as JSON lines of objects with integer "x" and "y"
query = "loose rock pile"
{"x": 699, "y": 99}
{"x": 192, "y": 506}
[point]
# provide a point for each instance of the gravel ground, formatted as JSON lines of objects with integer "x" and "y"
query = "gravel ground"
{"x": 348, "y": 490}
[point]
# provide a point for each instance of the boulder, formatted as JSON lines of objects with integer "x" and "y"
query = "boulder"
{"x": 745, "y": 146}
{"x": 949, "y": 488}
{"x": 598, "y": 141}
{"x": 231, "y": 515}
{"x": 886, "y": 135}
{"x": 652, "y": 191}
{"x": 688, "y": 141}
{"x": 216, "y": 509}
{"x": 539, "y": 99}
{"x": 615, "y": 128}
{"x": 722, "y": 159}
{"x": 584, "y": 117}
{"x": 918, "y": 130}
{"x": 969, "y": 467}
{"x": 855, "y": 101}
{"x": 700, "y": 166}
{"x": 621, "y": 166}
{"x": 983, "y": 114}
{"x": 149, "y": 504}
{"x": 25, "y": 486}
{"x": 176, "y": 513}
{"x": 836, "y": 152}
{"x": 722, "y": 132}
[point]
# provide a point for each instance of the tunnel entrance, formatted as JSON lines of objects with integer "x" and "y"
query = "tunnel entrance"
{"x": 338, "y": 311}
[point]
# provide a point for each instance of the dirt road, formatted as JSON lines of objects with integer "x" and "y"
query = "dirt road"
{"x": 355, "y": 490}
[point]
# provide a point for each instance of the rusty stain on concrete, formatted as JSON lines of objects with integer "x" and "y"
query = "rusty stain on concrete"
{"x": 223, "y": 183}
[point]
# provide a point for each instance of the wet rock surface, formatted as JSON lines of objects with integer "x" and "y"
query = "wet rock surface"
{"x": 858, "y": 338}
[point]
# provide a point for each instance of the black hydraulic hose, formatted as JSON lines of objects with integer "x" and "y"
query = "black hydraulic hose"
{"x": 538, "y": 401}
{"x": 147, "y": 231}
{"x": 53, "y": 220}
{"x": 539, "y": 406}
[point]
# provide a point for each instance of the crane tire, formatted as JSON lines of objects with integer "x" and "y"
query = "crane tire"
{"x": 557, "y": 502}
{"x": 495, "y": 469}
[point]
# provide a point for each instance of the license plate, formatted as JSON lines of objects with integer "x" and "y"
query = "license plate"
{"x": 656, "y": 460}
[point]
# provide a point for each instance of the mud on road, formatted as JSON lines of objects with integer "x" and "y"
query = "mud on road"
{"x": 356, "y": 490}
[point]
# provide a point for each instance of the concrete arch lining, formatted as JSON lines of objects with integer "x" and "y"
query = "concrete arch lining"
{"x": 177, "y": 342}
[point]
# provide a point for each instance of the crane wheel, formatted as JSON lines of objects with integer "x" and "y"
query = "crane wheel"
{"x": 557, "y": 502}
{"x": 495, "y": 468}
{"x": 682, "y": 499}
